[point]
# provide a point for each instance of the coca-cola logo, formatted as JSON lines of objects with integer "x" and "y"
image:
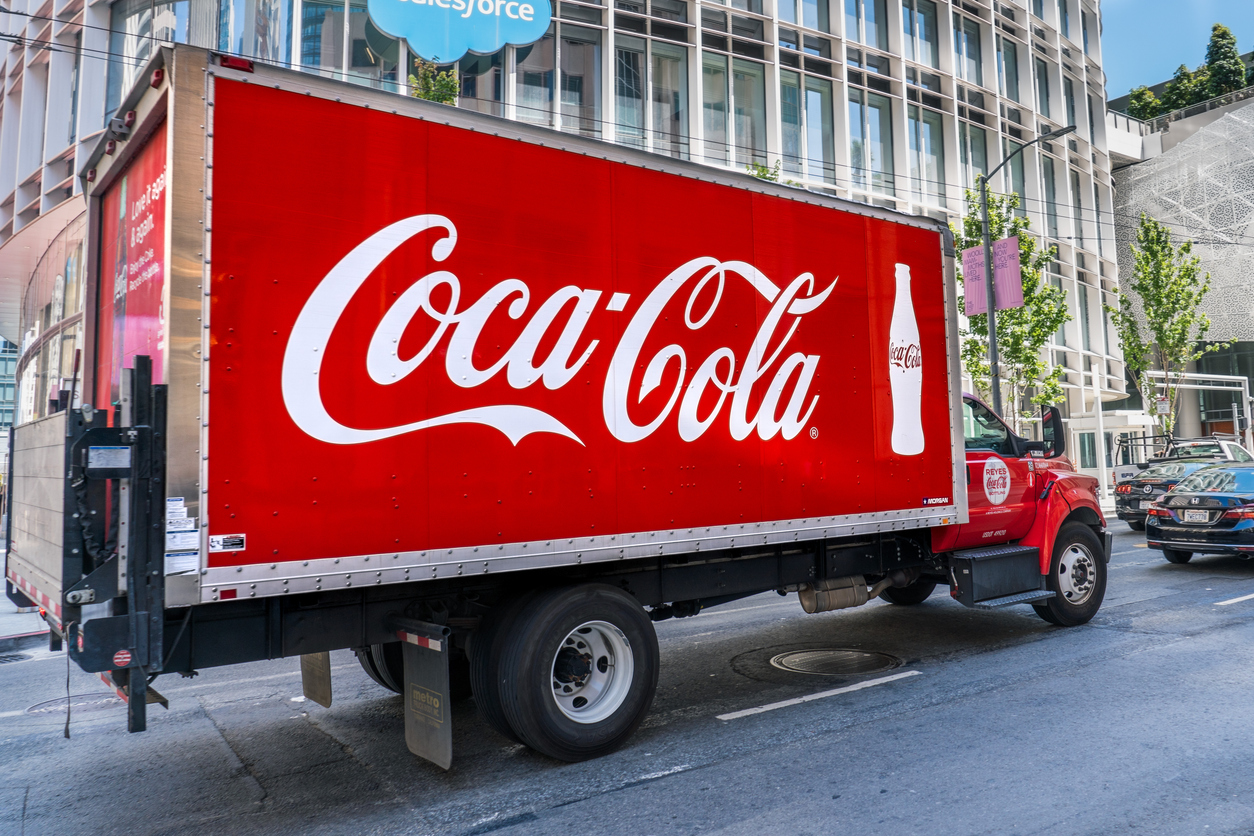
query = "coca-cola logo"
{"x": 904, "y": 356}
{"x": 996, "y": 480}
{"x": 781, "y": 403}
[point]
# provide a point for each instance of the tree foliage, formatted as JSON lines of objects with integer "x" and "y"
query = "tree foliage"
{"x": 433, "y": 84}
{"x": 1223, "y": 62}
{"x": 1168, "y": 287}
{"x": 1143, "y": 104}
{"x": 1186, "y": 88}
{"x": 1022, "y": 333}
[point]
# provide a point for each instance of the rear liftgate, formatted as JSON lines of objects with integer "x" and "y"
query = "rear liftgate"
{"x": 114, "y": 598}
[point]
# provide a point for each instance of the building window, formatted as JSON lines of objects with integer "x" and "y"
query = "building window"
{"x": 1064, "y": 20}
{"x": 927, "y": 155}
{"x": 920, "y": 41}
{"x": 866, "y": 21}
{"x": 806, "y": 114}
{"x": 1017, "y": 181}
{"x": 1092, "y": 124}
{"x": 482, "y": 80}
{"x": 1038, "y": 8}
{"x": 1008, "y": 68}
{"x": 670, "y": 100}
{"x": 1088, "y": 449}
{"x": 714, "y": 107}
{"x": 871, "y": 141}
{"x": 1060, "y": 337}
{"x": 1077, "y": 222}
{"x": 968, "y": 60}
{"x": 322, "y": 36}
{"x": 1086, "y": 334}
{"x": 749, "y": 108}
{"x": 629, "y": 64}
{"x": 973, "y": 153}
{"x": 1085, "y": 22}
{"x": 579, "y": 61}
{"x": 1097, "y": 210}
{"x": 1068, "y": 94}
{"x": 533, "y": 80}
{"x": 813, "y": 13}
{"x": 1042, "y": 88}
{"x": 262, "y": 29}
{"x": 136, "y": 29}
{"x": 1051, "y": 196}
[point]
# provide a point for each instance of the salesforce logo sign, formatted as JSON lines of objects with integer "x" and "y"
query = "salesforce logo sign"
{"x": 444, "y": 30}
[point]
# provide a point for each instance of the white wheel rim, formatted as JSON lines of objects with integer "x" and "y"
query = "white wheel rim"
{"x": 592, "y": 671}
{"x": 1077, "y": 575}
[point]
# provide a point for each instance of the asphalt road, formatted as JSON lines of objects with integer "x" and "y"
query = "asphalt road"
{"x": 1135, "y": 723}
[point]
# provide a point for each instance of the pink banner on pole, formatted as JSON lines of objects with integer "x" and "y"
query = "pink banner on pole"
{"x": 973, "y": 281}
{"x": 1007, "y": 280}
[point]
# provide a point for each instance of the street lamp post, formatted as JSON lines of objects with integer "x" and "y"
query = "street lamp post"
{"x": 995, "y": 373}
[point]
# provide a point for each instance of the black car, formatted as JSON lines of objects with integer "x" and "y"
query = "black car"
{"x": 1210, "y": 511}
{"x": 1134, "y": 496}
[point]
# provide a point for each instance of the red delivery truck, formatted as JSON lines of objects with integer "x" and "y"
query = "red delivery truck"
{"x": 483, "y": 401}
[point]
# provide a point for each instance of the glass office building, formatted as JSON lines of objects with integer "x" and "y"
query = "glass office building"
{"x": 901, "y": 103}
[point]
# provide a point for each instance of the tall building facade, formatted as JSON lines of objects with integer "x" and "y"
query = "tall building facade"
{"x": 1194, "y": 172}
{"x": 901, "y": 103}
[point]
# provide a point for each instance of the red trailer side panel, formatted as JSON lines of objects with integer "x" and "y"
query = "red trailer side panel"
{"x": 448, "y": 339}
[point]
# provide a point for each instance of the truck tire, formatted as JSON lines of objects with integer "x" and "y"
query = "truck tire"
{"x": 579, "y": 671}
{"x": 385, "y": 665}
{"x": 486, "y": 644}
{"x": 1175, "y": 556}
{"x": 1077, "y": 577}
{"x": 915, "y": 593}
{"x": 1136, "y": 525}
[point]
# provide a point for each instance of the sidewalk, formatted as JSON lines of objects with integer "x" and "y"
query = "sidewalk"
{"x": 15, "y": 625}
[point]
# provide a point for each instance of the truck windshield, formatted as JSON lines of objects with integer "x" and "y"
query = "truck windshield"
{"x": 1219, "y": 480}
{"x": 982, "y": 430}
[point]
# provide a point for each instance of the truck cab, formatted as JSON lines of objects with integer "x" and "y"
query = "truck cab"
{"x": 1034, "y": 522}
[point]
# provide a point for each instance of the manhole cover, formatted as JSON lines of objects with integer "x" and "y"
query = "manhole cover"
{"x": 80, "y": 703}
{"x": 13, "y": 657}
{"x": 834, "y": 662}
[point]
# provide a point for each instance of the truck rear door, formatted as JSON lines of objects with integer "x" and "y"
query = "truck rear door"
{"x": 1000, "y": 483}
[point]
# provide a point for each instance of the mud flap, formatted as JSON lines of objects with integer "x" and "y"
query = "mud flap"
{"x": 315, "y": 677}
{"x": 1108, "y": 543}
{"x": 428, "y": 726}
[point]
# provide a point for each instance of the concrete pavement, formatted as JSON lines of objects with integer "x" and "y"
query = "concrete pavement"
{"x": 1134, "y": 723}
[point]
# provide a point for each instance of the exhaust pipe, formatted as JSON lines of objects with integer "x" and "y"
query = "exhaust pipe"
{"x": 850, "y": 591}
{"x": 833, "y": 594}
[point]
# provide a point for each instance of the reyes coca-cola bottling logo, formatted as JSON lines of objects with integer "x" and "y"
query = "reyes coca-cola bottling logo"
{"x": 783, "y": 400}
{"x": 905, "y": 356}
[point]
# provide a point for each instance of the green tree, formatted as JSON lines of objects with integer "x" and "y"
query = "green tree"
{"x": 1223, "y": 62}
{"x": 432, "y": 84}
{"x": 1186, "y": 88}
{"x": 1143, "y": 104}
{"x": 1023, "y": 332}
{"x": 1159, "y": 319}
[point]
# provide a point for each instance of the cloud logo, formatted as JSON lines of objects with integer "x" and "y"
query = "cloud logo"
{"x": 444, "y": 30}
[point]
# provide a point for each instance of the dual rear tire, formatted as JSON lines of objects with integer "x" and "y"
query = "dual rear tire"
{"x": 570, "y": 672}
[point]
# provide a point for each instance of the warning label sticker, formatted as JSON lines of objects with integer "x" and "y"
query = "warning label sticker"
{"x": 226, "y": 542}
{"x": 177, "y": 541}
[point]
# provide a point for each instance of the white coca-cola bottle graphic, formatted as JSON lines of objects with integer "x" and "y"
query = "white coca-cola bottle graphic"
{"x": 905, "y": 370}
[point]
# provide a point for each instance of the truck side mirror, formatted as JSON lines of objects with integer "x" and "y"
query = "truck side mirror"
{"x": 1052, "y": 432}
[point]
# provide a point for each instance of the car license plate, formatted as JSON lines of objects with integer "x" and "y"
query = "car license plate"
{"x": 1145, "y": 503}
{"x": 1192, "y": 516}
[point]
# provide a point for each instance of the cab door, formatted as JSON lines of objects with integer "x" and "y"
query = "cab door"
{"x": 1001, "y": 485}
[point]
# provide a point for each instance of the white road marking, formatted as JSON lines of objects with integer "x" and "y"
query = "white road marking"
{"x": 1234, "y": 600}
{"x": 870, "y": 683}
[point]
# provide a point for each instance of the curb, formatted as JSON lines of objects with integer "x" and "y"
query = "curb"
{"x": 21, "y": 641}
